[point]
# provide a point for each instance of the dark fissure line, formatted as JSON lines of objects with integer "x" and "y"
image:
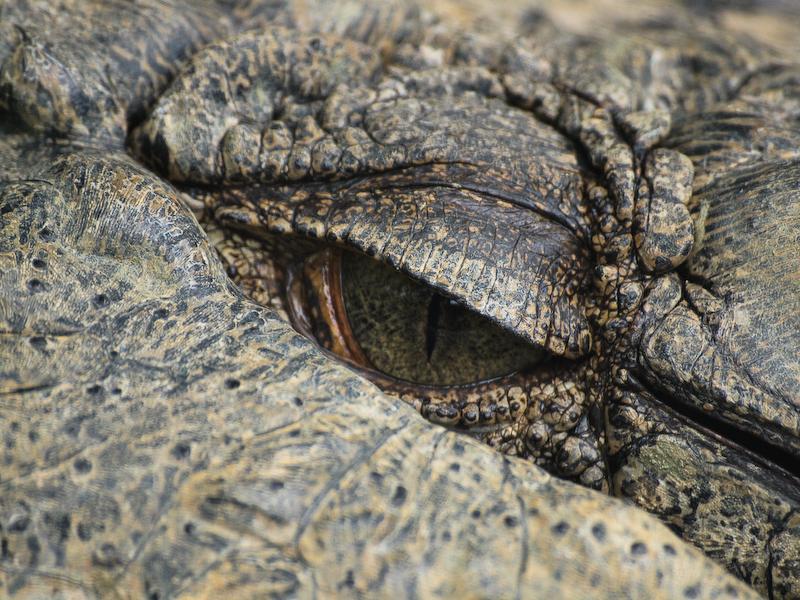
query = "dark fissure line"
{"x": 748, "y": 441}
{"x": 768, "y": 575}
{"x": 758, "y": 450}
{"x": 695, "y": 278}
{"x": 378, "y": 179}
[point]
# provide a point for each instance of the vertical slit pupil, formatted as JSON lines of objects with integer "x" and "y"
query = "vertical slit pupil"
{"x": 434, "y": 313}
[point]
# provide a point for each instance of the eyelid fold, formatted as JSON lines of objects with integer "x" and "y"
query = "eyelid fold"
{"x": 519, "y": 269}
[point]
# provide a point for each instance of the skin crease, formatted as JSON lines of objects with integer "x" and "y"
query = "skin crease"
{"x": 620, "y": 197}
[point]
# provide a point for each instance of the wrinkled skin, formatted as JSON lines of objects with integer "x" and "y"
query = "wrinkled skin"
{"x": 622, "y": 198}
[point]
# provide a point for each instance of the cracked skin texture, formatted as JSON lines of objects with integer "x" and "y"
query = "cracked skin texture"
{"x": 625, "y": 201}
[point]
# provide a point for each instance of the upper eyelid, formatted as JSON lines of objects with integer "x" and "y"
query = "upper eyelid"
{"x": 516, "y": 268}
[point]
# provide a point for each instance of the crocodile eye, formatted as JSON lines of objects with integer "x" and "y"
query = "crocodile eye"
{"x": 383, "y": 321}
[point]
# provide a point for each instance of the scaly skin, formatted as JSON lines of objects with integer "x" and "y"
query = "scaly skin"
{"x": 624, "y": 201}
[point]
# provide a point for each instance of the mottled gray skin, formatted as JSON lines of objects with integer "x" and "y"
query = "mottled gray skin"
{"x": 625, "y": 201}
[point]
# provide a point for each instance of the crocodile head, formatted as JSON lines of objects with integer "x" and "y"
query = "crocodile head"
{"x": 374, "y": 299}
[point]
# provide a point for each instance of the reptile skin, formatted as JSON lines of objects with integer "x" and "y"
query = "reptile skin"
{"x": 603, "y": 195}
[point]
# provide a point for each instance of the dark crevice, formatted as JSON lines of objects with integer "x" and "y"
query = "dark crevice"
{"x": 28, "y": 389}
{"x": 775, "y": 461}
{"x": 432, "y": 326}
{"x": 695, "y": 278}
{"x": 768, "y": 575}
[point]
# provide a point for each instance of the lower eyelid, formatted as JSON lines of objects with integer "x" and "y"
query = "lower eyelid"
{"x": 550, "y": 393}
